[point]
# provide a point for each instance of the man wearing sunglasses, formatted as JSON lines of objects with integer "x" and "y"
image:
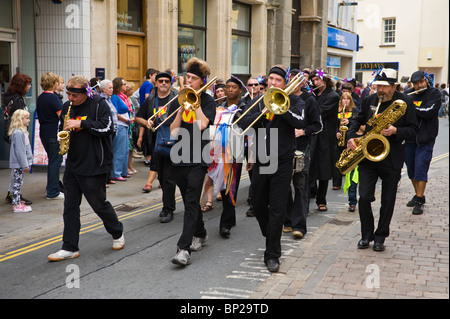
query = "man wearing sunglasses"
{"x": 163, "y": 164}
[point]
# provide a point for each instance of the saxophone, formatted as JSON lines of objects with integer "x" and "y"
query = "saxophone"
{"x": 373, "y": 146}
{"x": 64, "y": 136}
{"x": 342, "y": 130}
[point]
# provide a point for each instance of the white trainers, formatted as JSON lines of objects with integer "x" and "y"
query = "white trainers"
{"x": 60, "y": 196}
{"x": 21, "y": 208}
{"x": 182, "y": 258}
{"x": 63, "y": 254}
{"x": 118, "y": 243}
{"x": 197, "y": 243}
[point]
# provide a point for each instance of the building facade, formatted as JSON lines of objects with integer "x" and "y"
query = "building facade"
{"x": 407, "y": 35}
{"x": 110, "y": 38}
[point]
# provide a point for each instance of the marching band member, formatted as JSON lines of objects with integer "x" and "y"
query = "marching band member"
{"x": 419, "y": 150}
{"x": 188, "y": 158}
{"x": 161, "y": 153}
{"x": 298, "y": 208}
{"x": 270, "y": 188}
{"x": 229, "y": 177}
{"x": 323, "y": 165}
{"x": 389, "y": 169}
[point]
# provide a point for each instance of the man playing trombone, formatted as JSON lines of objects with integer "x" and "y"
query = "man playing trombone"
{"x": 153, "y": 111}
{"x": 194, "y": 112}
{"x": 270, "y": 187}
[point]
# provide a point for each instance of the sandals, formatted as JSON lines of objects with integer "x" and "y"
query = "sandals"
{"x": 322, "y": 208}
{"x": 209, "y": 206}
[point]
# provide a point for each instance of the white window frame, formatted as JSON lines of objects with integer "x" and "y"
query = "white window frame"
{"x": 389, "y": 34}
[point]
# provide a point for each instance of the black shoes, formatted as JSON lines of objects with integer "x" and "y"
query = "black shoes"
{"x": 364, "y": 243}
{"x": 273, "y": 265}
{"x": 166, "y": 217}
{"x": 417, "y": 203}
{"x": 225, "y": 232}
{"x": 8, "y": 199}
{"x": 378, "y": 246}
{"x": 414, "y": 199}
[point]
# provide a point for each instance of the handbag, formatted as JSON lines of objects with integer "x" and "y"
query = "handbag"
{"x": 299, "y": 160}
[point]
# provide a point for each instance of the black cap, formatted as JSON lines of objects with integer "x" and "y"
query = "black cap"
{"x": 164, "y": 75}
{"x": 417, "y": 76}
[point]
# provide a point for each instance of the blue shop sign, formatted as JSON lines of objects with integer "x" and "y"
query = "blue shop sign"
{"x": 342, "y": 39}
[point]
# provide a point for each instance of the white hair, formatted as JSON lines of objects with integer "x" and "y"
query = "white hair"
{"x": 104, "y": 83}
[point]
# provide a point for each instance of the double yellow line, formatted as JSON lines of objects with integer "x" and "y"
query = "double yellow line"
{"x": 439, "y": 157}
{"x": 83, "y": 230}
{"x": 87, "y": 229}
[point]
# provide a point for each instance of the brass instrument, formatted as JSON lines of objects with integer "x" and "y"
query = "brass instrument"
{"x": 161, "y": 109}
{"x": 373, "y": 146}
{"x": 276, "y": 101}
{"x": 189, "y": 100}
{"x": 342, "y": 130}
{"x": 64, "y": 136}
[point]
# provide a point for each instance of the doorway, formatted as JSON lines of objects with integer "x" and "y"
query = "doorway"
{"x": 130, "y": 58}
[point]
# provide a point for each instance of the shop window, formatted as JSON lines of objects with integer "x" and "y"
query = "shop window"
{"x": 129, "y": 15}
{"x": 191, "y": 31}
{"x": 241, "y": 38}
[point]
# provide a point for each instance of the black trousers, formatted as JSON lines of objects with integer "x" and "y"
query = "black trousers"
{"x": 189, "y": 180}
{"x": 167, "y": 181}
{"x": 94, "y": 190}
{"x": 369, "y": 172}
{"x": 228, "y": 217}
{"x": 298, "y": 208}
{"x": 270, "y": 195}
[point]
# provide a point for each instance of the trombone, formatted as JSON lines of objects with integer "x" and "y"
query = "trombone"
{"x": 189, "y": 100}
{"x": 276, "y": 101}
{"x": 161, "y": 109}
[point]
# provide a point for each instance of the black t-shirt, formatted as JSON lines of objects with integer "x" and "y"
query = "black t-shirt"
{"x": 193, "y": 146}
{"x": 47, "y": 107}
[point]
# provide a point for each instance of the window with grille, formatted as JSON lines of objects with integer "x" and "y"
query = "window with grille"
{"x": 389, "y": 30}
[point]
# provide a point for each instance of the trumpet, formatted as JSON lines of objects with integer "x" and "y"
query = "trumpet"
{"x": 64, "y": 136}
{"x": 189, "y": 100}
{"x": 276, "y": 101}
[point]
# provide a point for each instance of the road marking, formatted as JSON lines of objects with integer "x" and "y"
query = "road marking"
{"x": 84, "y": 230}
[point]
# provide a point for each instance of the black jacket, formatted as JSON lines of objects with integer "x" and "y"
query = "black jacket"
{"x": 427, "y": 107}
{"x": 406, "y": 126}
{"x": 284, "y": 123}
{"x": 90, "y": 150}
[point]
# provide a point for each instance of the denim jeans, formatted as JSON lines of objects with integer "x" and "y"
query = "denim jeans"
{"x": 120, "y": 160}
{"x": 51, "y": 146}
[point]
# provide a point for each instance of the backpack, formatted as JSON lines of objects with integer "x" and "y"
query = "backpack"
{"x": 7, "y": 120}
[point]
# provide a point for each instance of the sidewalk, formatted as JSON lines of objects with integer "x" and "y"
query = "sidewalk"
{"x": 46, "y": 217}
{"x": 414, "y": 265}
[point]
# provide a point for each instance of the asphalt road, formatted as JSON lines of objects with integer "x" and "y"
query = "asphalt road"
{"x": 224, "y": 268}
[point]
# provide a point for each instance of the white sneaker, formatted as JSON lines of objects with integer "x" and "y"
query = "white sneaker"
{"x": 182, "y": 258}
{"x": 60, "y": 196}
{"x": 21, "y": 208}
{"x": 63, "y": 254}
{"x": 197, "y": 243}
{"x": 118, "y": 243}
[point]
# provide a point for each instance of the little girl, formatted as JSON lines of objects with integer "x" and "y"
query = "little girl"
{"x": 20, "y": 157}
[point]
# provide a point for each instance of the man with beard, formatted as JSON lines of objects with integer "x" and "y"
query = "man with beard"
{"x": 389, "y": 169}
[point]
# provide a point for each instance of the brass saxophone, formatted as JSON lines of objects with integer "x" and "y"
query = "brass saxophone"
{"x": 64, "y": 136}
{"x": 342, "y": 130}
{"x": 373, "y": 146}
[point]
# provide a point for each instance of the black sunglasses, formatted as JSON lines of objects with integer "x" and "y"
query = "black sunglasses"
{"x": 253, "y": 84}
